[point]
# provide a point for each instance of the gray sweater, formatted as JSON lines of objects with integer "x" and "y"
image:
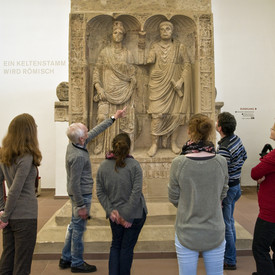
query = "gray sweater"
{"x": 20, "y": 178}
{"x": 121, "y": 190}
{"x": 78, "y": 165}
{"x": 197, "y": 188}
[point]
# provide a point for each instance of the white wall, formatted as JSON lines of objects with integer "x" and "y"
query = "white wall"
{"x": 36, "y": 30}
{"x": 245, "y": 69}
{"x": 33, "y": 30}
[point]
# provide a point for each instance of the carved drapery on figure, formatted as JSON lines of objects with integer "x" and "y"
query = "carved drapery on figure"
{"x": 170, "y": 88}
{"x": 172, "y": 104}
{"x": 121, "y": 74}
{"x": 115, "y": 82}
{"x": 114, "y": 71}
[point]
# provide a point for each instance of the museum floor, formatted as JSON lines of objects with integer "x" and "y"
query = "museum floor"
{"x": 245, "y": 213}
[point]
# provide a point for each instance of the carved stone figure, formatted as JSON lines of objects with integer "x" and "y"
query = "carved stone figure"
{"x": 62, "y": 91}
{"x": 170, "y": 88}
{"x": 115, "y": 81}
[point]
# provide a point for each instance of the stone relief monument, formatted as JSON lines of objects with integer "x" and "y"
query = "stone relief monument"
{"x": 145, "y": 71}
{"x": 156, "y": 58}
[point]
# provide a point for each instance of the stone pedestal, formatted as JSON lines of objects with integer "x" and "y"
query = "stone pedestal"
{"x": 157, "y": 236}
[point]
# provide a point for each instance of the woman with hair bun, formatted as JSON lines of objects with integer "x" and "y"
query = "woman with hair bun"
{"x": 119, "y": 190}
{"x": 198, "y": 184}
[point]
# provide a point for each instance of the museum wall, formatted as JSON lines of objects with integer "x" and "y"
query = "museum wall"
{"x": 245, "y": 70}
{"x": 34, "y": 60}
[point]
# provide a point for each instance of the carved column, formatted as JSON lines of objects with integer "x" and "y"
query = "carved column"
{"x": 206, "y": 53}
{"x": 77, "y": 70}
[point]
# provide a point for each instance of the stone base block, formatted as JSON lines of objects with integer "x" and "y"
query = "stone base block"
{"x": 157, "y": 235}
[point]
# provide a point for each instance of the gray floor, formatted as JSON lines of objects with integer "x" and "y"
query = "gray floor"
{"x": 245, "y": 213}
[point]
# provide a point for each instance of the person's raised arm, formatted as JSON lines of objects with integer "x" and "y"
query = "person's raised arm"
{"x": 120, "y": 113}
{"x": 103, "y": 125}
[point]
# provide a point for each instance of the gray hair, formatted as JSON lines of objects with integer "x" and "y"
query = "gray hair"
{"x": 75, "y": 131}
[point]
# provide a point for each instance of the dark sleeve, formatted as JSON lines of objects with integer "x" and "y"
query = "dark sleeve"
{"x": 2, "y": 201}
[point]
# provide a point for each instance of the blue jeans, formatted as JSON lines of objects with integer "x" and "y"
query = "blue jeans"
{"x": 188, "y": 259}
{"x": 122, "y": 247}
{"x": 74, "y": 246}
{"x": 263, "y": 239}
{"x": 228, "y": 205}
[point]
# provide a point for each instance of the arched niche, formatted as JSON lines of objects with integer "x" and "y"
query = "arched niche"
{"x": 138, "y": 39}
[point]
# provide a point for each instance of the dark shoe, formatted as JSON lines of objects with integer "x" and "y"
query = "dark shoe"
{"x": 64, "y": 264}
{"x": 84, "y": 268}
{"x": 229, "y": 266}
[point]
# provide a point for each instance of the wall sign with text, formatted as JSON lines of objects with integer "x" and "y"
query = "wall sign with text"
{"x": 246, "y": 112}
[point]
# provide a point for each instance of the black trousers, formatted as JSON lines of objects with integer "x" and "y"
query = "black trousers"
{"x": 263, "y": 240}
{"x": 19, "y": 238}
{"x": 122, "y": 247}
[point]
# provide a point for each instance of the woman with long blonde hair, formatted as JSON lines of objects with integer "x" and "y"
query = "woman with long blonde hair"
{"x": 19, "y": 158}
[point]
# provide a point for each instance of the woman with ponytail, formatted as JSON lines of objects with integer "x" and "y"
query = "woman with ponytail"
{"x": 119, "y": 190}
{"x": 198, "y": 184}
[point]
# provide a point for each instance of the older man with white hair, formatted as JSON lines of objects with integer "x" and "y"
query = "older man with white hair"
{"x": 79, "y": 188}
